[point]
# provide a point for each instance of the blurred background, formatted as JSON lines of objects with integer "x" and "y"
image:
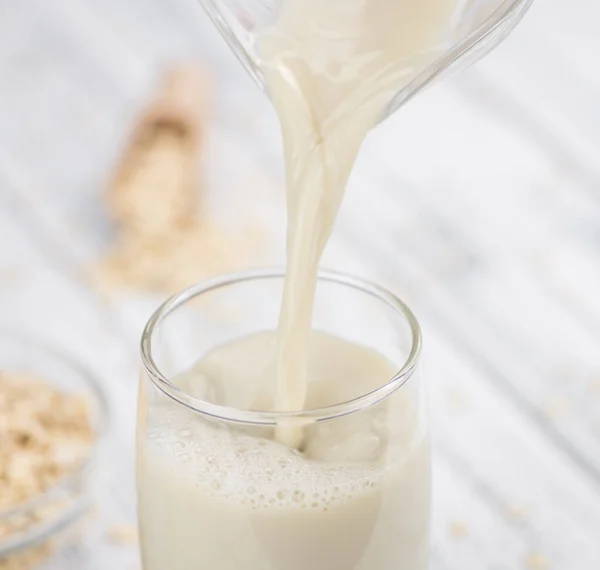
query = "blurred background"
{"x": 478, "y": 203}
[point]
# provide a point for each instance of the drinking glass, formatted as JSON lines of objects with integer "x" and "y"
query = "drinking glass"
{"x": 216, "y": 490}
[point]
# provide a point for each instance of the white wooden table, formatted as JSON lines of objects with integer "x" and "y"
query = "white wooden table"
{"x": 479, "y": 204}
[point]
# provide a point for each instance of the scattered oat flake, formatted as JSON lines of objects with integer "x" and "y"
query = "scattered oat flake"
{"x": 458, "y": 530}
{"x": 516, "y": 513}
{"x": 594, "y": 385}
{"x": 123, "y": 535}
{"x": 536, "y": 561}
{"x": 457, "y": 400}
{"x": 11, "y": 275}
{"x": 174, "y": 260}
{"x": 557, "y": 407}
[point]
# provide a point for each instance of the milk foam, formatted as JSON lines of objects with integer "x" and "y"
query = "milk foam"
{"x": 256, "y": 473}
{"x": 247, "y": 465}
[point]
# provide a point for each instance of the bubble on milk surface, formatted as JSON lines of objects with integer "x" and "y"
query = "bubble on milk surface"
{"x": 244, "y": 464}
{"x": 254, "y": 472}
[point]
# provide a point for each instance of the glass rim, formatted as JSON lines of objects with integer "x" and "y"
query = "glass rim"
{"x": 273, "y": 418}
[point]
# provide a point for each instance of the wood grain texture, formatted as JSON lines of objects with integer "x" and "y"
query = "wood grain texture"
{"x": 479, "y": 204}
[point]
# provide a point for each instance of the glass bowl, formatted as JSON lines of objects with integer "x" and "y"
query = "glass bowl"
{"x": 44, "y": 516}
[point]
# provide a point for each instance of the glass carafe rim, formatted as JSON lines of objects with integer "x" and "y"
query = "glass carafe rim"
{"x": 491, "y": 30}
{"x": 230, "y": 414}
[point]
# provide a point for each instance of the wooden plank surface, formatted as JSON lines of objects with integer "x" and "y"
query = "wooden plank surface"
{"x": 479, "y": 203}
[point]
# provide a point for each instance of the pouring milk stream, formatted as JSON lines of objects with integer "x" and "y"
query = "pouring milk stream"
{"x": 330, "y": 69}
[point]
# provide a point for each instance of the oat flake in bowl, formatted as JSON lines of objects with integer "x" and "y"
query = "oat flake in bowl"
{"x": 53, "y": 418}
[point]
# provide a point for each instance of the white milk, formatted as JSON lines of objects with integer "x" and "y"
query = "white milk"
{"x": 347, "y": 494}
{"x": 331, "y": 67}
{"x": 222, "y": 498}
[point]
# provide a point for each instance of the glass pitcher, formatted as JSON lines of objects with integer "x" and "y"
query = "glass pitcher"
{"x": 478, "y": 26}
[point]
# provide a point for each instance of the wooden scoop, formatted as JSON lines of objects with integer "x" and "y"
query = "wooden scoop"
{"x": 156, "y": 185}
